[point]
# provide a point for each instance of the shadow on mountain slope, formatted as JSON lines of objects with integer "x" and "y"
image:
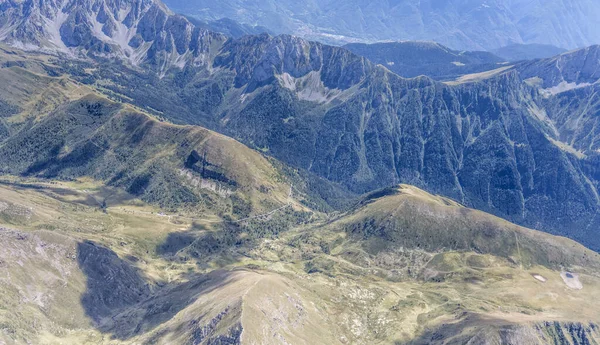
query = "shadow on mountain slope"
{"x": 124, "y": 303}
{"x": 112, "y": 283}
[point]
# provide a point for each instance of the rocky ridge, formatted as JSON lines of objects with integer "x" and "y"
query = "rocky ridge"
{"x": 138, "y": 31}
{"x": 491, "y": 142}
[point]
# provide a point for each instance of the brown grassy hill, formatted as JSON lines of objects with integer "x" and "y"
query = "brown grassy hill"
{"x": 322, "y": 281}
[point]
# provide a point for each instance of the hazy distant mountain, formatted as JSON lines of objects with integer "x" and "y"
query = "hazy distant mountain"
{"x": 519, "y": 52}
{"x": 460, "y": 24}
{"x": 229, "y": 27}
{"x": 410, "y": 59}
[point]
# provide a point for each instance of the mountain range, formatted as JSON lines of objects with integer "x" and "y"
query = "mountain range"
{"x": 164, "y": 183}
{"x": 519, "y": 52}
{"x": 335, "y": 114}
{"x": 135, "y": 31}
{"x": 412, "y": 59}
{"x": 459, "y": 24}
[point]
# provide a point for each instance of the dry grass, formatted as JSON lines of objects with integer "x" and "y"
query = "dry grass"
{"x": 475, "y": 77}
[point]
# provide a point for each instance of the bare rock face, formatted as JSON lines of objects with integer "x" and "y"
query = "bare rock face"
{"x": 138, "y": 31}
{"x": 552, "y": 333}
{"x": 258, "y": 60}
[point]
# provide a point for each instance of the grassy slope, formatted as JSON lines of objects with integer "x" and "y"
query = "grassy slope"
{"x": 403, "y": 265}
{"x": 412, "y": 218}
{"x": 315, "y": 282}
{"x": 54, "y": 127}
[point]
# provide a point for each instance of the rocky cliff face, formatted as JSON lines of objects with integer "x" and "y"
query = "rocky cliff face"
{"x": 508, "y": 144}
{"x": 490, "y": 144}
{"x": 480, "y": 144}
{"x": 261, "y": 60}
{"x": 550, "y": 333}
{"x": 567, "y": 71}
{"x": 485, "y": 144}
{"x": 139, "y": 31}
{"x": 569, "y": 84}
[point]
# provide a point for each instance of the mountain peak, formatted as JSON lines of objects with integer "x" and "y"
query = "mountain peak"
{"x": 138, "y": 31}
